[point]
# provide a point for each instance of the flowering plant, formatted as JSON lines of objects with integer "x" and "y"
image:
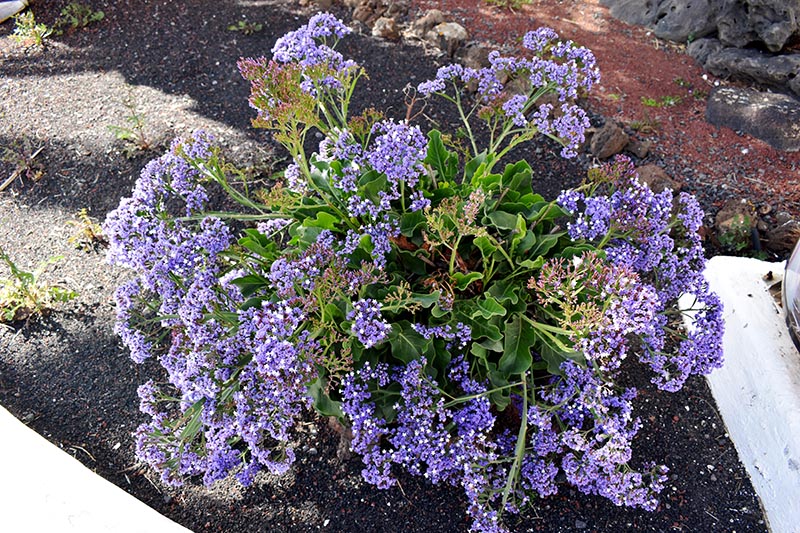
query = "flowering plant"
{"x": 463, "y": 327}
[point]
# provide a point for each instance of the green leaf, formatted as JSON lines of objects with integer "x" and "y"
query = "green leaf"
{"x": 544, "y": 244}
{"x": 462, "y": 281}
{"x": 426, "y": 300}
{"x": 479, "y": 352}
{"x": 486, "y": 247}
{"x": 489, "y": 307}
{"x": 324, "y": 220}
{"x": 472, "y": 166}
{"x": 517, "y": 177}
{"x": 503, "y": 220}
{"x": 373, "y": 184}
{"x": 536, "y": 264}
{"x": 571, "y": 251}
{"x": 443, "y": 161}
{"x": 250, "y": 283}
{"x": 520, "y": 231}
{"x": 322, "y": 402}
{"x": 527, "y": 242}
{"x": 410, "y": 222}
{"x": 407, "y": 345}
{"x": 488, "y": 344}
{"x": 519, "y": 337}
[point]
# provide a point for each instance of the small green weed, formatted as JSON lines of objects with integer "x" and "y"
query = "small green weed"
{"x": 246, "y": 27}
{"x": 508, "y": 4}
{"x": 737, "y": 237}
{"x": 75, "y": 16}
{"x": 646, "y": 125}
{"x": 614, "y": 97}
{"x": 134, "y": 135}
{"x": 28, "y": 32}
{"x": 24, "y": 294}
{"x": 664, "y": 101}
{"x": 88, "y": 233}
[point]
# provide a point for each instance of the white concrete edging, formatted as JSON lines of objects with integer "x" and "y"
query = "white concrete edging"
{"x": 758, "y": 388}
{"x": 46, "y": 490}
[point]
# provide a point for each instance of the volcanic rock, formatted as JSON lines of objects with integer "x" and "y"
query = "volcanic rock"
{"x": 608, "y": 140}
{"x": 773, "y": 118}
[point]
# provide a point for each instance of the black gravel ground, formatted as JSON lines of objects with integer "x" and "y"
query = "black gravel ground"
{"x": 66, "y": 374}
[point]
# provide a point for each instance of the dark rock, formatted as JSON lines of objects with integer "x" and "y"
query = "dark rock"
{"x": 794, "y": 85}
{"x": 386, "y": 28}
{"x": 448, "y": 36}
{"x": 753, "y": 66}
{"x": 679, "y": 20}
{"x": 783, "y": 238}
{"x": 608, "y": 140}
{"x": 657, "y": 179}
{"x": 637, "y": 12}
{"x": 700, "y": 49}
{"x": 638, "y": 148}
{"x": 773, "y": 118}
{"x": 738, "y": 23}
{"x": 772, "y": 22}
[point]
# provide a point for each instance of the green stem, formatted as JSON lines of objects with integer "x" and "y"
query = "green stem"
{"x": 519, "y": 451}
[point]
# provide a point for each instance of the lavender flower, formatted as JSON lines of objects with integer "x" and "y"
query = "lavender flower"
{"x": 368, "y": 325}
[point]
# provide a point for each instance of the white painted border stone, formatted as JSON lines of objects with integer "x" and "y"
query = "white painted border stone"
{"x": 43, "y": 489}
{"x": 758, "y": 388}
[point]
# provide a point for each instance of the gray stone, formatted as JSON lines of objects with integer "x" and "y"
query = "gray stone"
{"x": 700, "y": 49}
{"x": 608, "y": 140}
{"x": 424, "y": 24}
{"x": 772, "y": 22}
{"x": 474, "y": 56}
{"x": 773, "y": 118}
{"x": 448, "y": 36}
{"x": 753, "y": 66}
{"x": 794, "y": 85}
{"x": 636, "y": 12}
{"x": 680, "y": 20}
{"x": 386, "y": 28}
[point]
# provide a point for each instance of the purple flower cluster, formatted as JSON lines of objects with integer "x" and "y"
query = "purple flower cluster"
{"x": 167, "y": 253}
{"x": 303, "y": 45}
{"x": 458, "y": 336}
{"x": 420, "y": 438}
{"x": 666, "y": 252}
{"x": 180, "y": 279}
{"x": 560, "y": 67}
{"x": 368, "y": 325}
{"x": 594, "y": 441}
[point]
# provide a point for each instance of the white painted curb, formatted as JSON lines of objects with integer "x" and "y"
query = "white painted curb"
{"x": 46, "y": 490}
{"x": 758, "y": 388}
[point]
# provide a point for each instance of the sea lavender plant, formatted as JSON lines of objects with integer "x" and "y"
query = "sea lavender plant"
{"x": 431, "y": 303}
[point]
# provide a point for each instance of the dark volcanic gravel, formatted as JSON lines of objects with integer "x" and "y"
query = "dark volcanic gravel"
{"x": 66, "y": 374}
